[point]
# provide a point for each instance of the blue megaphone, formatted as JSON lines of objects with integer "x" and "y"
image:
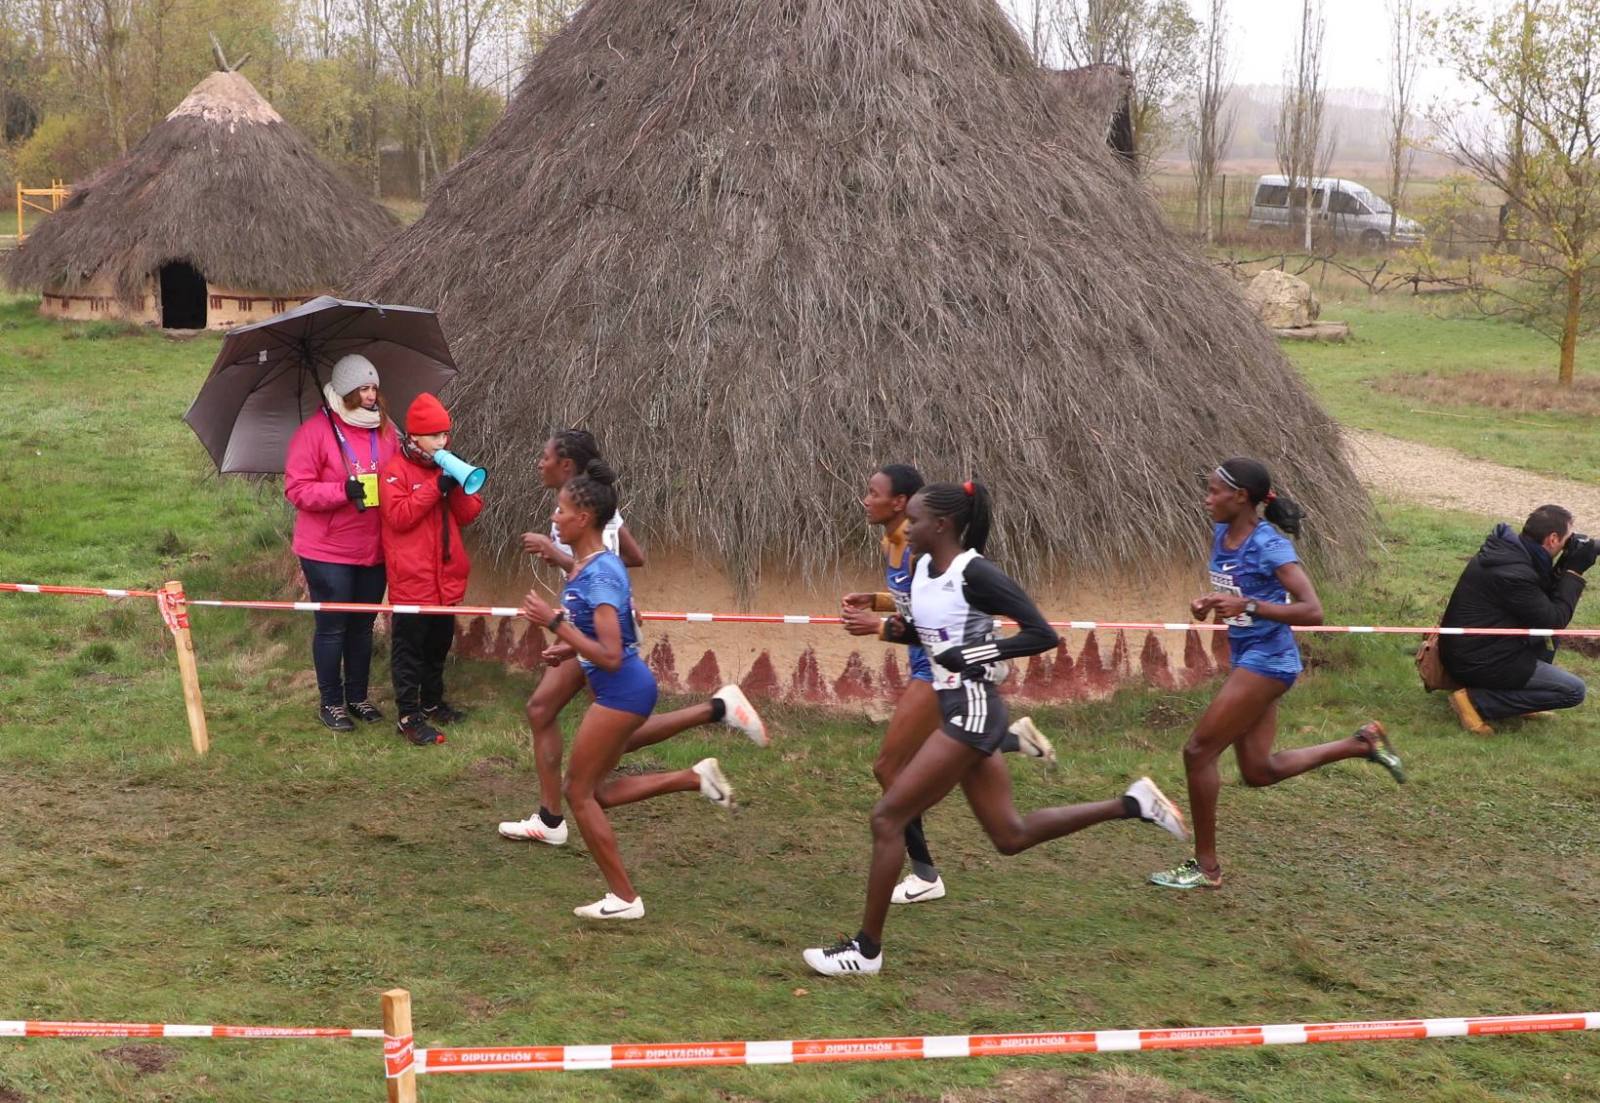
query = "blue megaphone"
{"x": 471, "y": 478}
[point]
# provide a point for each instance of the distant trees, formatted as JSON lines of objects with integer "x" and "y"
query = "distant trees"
{"x": 1536, "y": 70}
{"x": 1405, "y": 56}
{"x": 1214, "y": 115}
{"x": 81, "y": 80}
{"x": 1303, "y": 146}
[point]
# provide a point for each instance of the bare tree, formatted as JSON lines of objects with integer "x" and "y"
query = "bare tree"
{"x": 1304, "y": 151}
{"x": 1215, "y": 116}
{"x": 1405, "y": 54}
{"x": 1154, "y": 40}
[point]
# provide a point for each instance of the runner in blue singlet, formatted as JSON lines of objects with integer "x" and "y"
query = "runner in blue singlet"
{"x": 1259, "y": 589}
{"x": 595, "y": 626}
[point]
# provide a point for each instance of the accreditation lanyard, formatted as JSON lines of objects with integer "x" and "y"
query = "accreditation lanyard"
{"x": 344, "y": 445}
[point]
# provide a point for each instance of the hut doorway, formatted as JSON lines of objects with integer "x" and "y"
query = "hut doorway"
{"x": 183, "y": 297}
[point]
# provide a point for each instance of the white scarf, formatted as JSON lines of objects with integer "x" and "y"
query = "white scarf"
{"x": 360, "y": 417}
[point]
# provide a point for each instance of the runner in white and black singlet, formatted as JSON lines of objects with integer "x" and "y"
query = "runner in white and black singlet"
{"x": 916, "y": 713}
{"x": 955, "y": 596}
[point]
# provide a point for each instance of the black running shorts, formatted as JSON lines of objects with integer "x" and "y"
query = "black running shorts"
{"x": 975, "y": 714}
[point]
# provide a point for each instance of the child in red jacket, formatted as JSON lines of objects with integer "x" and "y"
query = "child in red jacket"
{"x": 422, "y": 511}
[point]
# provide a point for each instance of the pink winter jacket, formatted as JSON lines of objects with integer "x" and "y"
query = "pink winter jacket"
{"x": 327, "y": 525}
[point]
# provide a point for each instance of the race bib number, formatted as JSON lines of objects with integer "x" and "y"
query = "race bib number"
{"x": 1222, "y": 583}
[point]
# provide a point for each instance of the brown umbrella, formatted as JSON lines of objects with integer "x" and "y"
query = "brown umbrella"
{"x": 268, "y": 378}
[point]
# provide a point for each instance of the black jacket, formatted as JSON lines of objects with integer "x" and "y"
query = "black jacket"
{"x": 1505, "y": 586}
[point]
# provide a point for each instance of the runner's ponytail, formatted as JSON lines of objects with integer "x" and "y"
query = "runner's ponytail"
{"x": 1252, "y": 477}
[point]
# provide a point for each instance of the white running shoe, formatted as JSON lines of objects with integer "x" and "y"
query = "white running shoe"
{"x": 1034, "y": 744}
{"x": 914, "y": 890}
{"x": 611, "y": 906}
{"x": 842, "y": 958}
{"x": 1154, "y": 807}
{"x": 533, "y": 829}
{"x": 714, "y": 783}
{"x": 739, "y": 713}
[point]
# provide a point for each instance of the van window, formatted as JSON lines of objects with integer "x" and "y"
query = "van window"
{"x": 1345, "y": 203}
{"x": 1272, "y": 195}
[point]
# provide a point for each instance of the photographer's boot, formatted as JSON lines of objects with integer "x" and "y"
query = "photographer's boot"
{"x": 1467, "y": 713}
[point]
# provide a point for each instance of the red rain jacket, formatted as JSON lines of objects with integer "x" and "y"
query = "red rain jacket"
{"x": 416, "y": 526}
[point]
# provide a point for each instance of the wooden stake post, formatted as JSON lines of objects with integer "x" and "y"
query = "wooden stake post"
{"x": 175, "y": 611}
{"x": 399, "y": 1068}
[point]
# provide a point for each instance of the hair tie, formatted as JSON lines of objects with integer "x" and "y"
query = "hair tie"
{"x": 1272, "y": 495}
{"x": 967, "y": 486}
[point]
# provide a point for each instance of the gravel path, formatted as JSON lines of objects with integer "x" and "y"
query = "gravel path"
{"x": 1445, "y": 479}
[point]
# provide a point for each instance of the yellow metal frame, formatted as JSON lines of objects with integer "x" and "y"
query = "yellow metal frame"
{"x": 27, "y": 199}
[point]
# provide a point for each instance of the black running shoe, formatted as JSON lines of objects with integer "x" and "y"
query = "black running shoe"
{"x": 336, "y": 718}
{"x": 444, "y": 713}
{"x": 417, "y": 729}
{"x": 365, "y": 711}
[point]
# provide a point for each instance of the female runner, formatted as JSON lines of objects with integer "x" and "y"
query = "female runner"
{"x": 595, "y": 624}
{"x": 1260, "y": 589}
{"x": 567, "y": 453}
{"x": 955, "y": 595}
{"x": 916, "y": 714}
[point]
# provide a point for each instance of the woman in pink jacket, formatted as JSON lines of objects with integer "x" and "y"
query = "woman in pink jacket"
{"x": 331, "y": 479}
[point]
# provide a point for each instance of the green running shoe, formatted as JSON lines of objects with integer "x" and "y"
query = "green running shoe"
{"x": 1187, "y": 876}
{"x": 1379, "y": 750}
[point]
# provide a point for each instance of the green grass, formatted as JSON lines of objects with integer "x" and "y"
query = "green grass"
{"x": 1393, "y": 336}
{"x": 292, "y": 875}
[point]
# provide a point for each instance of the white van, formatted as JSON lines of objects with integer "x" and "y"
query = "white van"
{"x": 1352, "y": 211}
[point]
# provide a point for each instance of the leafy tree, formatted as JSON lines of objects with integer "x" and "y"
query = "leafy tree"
{"x": 1535, "y": 71}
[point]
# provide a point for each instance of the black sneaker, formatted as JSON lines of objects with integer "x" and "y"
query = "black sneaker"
{"x": 366, "y": 712}
{"x": 417, "y": 729}
{"x": 444, "y": 713}
{"x": 336, "y": 718}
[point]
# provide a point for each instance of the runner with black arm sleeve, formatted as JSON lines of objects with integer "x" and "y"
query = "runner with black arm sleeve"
{"x": 955, "y": 596}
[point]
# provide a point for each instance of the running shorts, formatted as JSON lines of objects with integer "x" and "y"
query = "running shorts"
{"x": 1284, "y": 666}
{"x": 974, "y": 714}
{"x": 629, "y": 688}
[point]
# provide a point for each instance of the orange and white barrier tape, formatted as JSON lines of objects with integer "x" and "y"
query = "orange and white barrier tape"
{"x": 24, "y": 1028}
{"x": 698, "y": 1054}
{"x": 787, "y": 618}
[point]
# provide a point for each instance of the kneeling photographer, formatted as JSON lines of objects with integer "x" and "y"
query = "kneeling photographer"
{"x": 1516, "y": 581}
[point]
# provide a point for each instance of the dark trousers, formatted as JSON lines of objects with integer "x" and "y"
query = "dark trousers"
{"x": 1550, "y": 688}
{"x": 341, "y": 645}
{"x": 421, "y": 643}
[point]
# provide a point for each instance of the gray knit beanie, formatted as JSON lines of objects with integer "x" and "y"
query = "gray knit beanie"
{"x": 352, "y": 373}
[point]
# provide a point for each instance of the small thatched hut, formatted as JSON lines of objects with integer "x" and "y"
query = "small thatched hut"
{"x": 761, "y": 247}
{"x": 222, "y": 215}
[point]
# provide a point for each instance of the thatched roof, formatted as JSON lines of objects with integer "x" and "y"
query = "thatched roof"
{"x": 1103, "y": 93}
{"x": 222, "y": 183}
{"x": 761, "y": 247}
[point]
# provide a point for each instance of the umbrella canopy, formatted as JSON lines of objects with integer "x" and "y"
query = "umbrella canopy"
{"x": 268, "y": 378}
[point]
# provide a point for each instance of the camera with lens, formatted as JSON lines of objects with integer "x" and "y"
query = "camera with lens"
{"x": 1580, "y": 553}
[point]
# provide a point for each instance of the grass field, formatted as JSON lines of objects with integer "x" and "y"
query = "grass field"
{"x": 292, "y": 875}
{"x": 1479, "y": 386}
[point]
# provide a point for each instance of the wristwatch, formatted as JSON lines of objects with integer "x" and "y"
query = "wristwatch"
{"x": 1250, "y": 608}
{"x": 555, "y": 621}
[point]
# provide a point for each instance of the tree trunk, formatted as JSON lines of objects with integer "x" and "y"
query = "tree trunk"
{"x": 1569, "y": 330}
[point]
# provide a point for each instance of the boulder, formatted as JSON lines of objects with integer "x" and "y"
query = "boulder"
{"x": 1282, "y": 301}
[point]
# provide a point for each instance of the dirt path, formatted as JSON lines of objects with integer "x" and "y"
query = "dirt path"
{"x": 1445, "y": 479}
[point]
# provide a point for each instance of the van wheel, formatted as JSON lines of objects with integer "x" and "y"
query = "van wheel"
{"x": 1371, "y": 239}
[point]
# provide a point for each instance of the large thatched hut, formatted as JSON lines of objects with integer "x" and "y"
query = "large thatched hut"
{"x": 761, "y": 247}
{"x": 222, "y": 215}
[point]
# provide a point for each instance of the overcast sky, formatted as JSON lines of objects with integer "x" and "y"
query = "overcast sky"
{"x": 1356, "y": 46}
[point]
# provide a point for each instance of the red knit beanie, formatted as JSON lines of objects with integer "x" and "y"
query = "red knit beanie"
{"x": 427, "y": 415}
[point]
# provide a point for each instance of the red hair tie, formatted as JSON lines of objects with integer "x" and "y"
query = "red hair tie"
{"x": 1272, "y": 495}
{"x": 967, "y": 486}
